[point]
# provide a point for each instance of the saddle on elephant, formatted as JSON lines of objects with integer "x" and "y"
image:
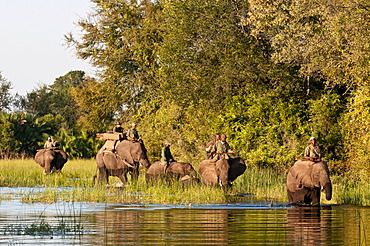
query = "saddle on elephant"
{"x": 111, "y": 140}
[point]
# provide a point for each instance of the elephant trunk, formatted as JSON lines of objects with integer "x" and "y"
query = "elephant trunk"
{"x": 328, "y": 190}
{"x": 325, "y": 182}
{"x": 224, "y": 180}
{"x": 145, "y": 163}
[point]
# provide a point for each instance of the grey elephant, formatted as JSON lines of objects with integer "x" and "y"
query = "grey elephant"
{"x": 52, "y": 160}
{"x": 125, "y": 159}
{"x": 221, "y": 172}
{"x": 175, "y": 170}
{"x": 305, "y": 180}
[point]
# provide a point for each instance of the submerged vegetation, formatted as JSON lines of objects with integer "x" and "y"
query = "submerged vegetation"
{"x": 76, "y": 184}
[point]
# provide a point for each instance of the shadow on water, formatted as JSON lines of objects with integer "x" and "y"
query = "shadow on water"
{"x": 249, "y": 222}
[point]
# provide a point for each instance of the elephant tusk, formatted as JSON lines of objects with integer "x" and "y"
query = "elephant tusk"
{"x": 125, "y": 162}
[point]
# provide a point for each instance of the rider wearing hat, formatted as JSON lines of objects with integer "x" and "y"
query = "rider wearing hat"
{"x": 312, "y": 151}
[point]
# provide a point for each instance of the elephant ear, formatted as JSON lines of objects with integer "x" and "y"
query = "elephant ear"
{"x": 39, "y": 157}
{"x": 237, "y": 168}
{"x": 301, "y": 171}
{"x": 124, "y": 151}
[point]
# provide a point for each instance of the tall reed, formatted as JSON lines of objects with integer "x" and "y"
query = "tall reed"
{"x": 78, "y": 184}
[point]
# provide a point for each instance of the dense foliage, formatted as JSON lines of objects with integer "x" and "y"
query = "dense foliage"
{"x": 268, "y": 74}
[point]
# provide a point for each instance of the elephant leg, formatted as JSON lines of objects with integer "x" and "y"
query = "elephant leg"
{"x": 135, "y": 173}
{"x": 290, "y": 196}
{"x": 313, "y": 197}
{"x": 298, "y": 196}
{"x": 103, "y": 175}
{"x": 148, "y": 178}
{"x": 123, "y": 177}
{"x": 54, "y": 170}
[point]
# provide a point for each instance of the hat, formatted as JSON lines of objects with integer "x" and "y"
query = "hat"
{"x": 312, "y": 138}
{"x": 167, "y": 143}
{"x": 133, "y": 124}
{"x": 223, "y": 136}
{"x": 118, "y": 123}
{"x": 49, "y": 138}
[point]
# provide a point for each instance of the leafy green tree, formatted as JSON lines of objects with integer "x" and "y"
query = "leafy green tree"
{"x": 97, "y": 104}
{"x": 38, "y": 102}
{"x": 22, "y": 134}
{"x": 5, "y": 96}
{"x": 56, "y": 99}
{"x": 329, "y": 43}
{"x": 81, "y": 145}
{"x": 328, "y": 40}
{"x": 356, "y": 131}
{"x": 119, "y": 38}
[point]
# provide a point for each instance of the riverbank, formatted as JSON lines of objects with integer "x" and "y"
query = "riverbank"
{"x": 78, "y": 175}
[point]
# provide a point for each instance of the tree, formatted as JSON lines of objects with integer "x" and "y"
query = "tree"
{"x": 56, "y": 99}
{"x": 119, "y": 38}
{"x": 326, "y": 40}
{"x": 5, "y": 96}
{"x": 329, "y": 43}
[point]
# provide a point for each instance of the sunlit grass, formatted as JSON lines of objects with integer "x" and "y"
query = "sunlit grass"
{"x": 78, "y": 176}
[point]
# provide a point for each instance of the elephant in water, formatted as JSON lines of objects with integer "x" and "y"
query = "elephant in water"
{"x": 52, "y": 160}
{"x": 125, "y": 159}
{"x": 222, "y": 172}
{"x": 175, "y": 170}
{"x": 305, "y": 180}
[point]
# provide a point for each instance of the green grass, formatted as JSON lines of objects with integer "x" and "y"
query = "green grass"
{"x": 263, "y": 184}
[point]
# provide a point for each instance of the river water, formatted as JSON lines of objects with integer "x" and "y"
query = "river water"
{"x": 246, "y": 223}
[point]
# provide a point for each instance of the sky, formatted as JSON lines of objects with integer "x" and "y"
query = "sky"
{"x": 32, "y": 45}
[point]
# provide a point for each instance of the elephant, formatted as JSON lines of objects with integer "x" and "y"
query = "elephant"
{"x": 305, "y": 180}
{"x": 222, "y": 172}
{"x": 175, "y": 170}
{"x": 125, "y": 159}
{"x": 52, "y": 160}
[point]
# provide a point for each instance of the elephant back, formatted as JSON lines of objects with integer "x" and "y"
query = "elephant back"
{"x": 181, "y": 168}
{"x": 156, "y": 169}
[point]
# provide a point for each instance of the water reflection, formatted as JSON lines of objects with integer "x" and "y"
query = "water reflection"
{"x": 308, "y": 225}
{"x": 244, "y": 223}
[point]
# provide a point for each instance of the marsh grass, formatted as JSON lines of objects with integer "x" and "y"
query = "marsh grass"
{"x": 67, "y": 222}
{"x": 76, "y": 184}
{"x": 43, "y": 228}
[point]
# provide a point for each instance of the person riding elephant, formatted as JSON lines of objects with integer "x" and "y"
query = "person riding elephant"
{"x": 51, "y": 159}
{"x": 126, "y": 159}
{"x": 312, "y": 151}
{"x": 49, "y": 143}
{"x": 221, "y": 172}
{"x": 174, "y": 171}
{"x": 118, "y": 128}
{"x": 305, "y": 180}
{"x": 132, "y": 134}
{"x": 166, "y": 155}
{"x": 221, "y": 149}
{"x": 210, "y": 145}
